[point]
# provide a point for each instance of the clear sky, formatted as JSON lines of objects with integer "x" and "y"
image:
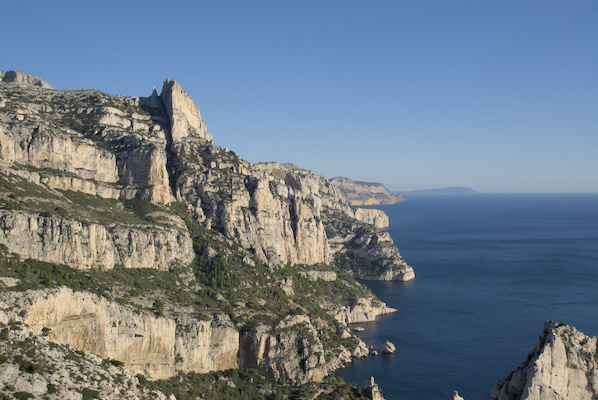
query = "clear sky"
{"x": 500, "y": 96}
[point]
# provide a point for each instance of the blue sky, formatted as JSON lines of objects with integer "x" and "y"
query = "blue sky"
{"x": 501, "y": 96}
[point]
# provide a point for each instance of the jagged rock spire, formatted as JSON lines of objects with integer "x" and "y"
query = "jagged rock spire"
{"x": 184, "y": 115}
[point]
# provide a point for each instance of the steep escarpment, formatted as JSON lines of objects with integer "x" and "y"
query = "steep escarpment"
{"x": 562, "y": 365}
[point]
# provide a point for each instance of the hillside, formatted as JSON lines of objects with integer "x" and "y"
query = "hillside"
{"x": 127, "y": 233}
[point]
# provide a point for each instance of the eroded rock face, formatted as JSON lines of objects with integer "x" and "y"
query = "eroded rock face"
{"x": 157, "y": 347}
{"x": 86, "y": 245}
{"x": 69, "y": 141}
{"x": 562, "y": 365}
{"x": 294, "y": 352}
{"x": 146, "y": 344}
{"x": 204, "y": 346}
{"x": 184, "y": 115}
{"x": 23, "y": 78}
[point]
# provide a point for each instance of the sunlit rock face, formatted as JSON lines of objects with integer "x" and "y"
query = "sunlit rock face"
{"x": 561, "y": 366}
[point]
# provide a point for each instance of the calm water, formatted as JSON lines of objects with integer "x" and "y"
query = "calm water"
{"x": 491, "y": 269}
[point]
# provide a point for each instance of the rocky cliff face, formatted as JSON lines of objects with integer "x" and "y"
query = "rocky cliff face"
{"x": 365, "y": 193}
{"x": 158, "y": 149}
{"x": 23, "y": 78}
{"x": 91, "y": 245}
{"x": 127, "y": 233}
{"x": 158, "y": 346}
{"x": 562, "y": 365}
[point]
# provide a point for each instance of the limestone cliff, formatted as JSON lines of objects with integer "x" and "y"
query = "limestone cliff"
{"x": 365, "y": 193}
{"x": 86, "y": 245}
{"x": 159, "y": 149}
{"x": 127, "y": 233}
{"x": 158, "y": 346}
{"x": 562, "y": 365}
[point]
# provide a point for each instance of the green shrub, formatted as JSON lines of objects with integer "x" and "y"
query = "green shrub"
{"x": 90, "y": 394}
{"x": 23, "y": 395}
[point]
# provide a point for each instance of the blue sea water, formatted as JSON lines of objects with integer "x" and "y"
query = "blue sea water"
{"x": 491, "y": 268}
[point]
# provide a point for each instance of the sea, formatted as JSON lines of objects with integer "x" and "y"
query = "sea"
{"x": 490, "y": 269}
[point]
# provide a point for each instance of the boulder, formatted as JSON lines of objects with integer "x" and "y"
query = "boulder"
{"x": 388, "y": 347}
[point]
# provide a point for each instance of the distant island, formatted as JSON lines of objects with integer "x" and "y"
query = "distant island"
{"x": 365, "y": 193}
{"x": 453, "y": 190}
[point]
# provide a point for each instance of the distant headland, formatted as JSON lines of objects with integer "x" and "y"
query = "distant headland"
{"x": 453, "y": 190}
{"x": 365, "y": 193}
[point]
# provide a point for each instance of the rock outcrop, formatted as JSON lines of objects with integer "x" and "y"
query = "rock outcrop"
{"x": 456, "y": 396}
{"x": 365, "y": 193}
{"x": 23, "y": 79}
{"x": 388, "y": 347}
{"x": 90, "y": 245}
{"x": 562, "y": 365}
{"x": 184, "y": 115}
{"x": 294, "y": 335}
{"x": 362, "y": 311}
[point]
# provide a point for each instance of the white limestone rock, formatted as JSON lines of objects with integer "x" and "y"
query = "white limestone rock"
{"x": 146, "y": 344}
{"x": 362, "y": 311}
{"x": 562, "y": 365}
{"x": 23, "y": 78}
{"x": 185, "y": 118}
{"x": 456, "y": 396}
{"x": 85, "y": 245}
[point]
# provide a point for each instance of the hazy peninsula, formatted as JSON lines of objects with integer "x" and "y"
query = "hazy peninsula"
{"x": 453, "y": 190}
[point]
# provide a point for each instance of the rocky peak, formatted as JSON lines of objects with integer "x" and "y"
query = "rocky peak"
{"x": 184, "y": 115}
{"x": 23, "y": 78}
{"x": 562, "y": 365}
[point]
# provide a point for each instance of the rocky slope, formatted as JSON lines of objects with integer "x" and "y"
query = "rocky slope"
{"x": 365, "y": 193}
{"x": 562, "y": 365}
{"x": 127, "y": 233}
